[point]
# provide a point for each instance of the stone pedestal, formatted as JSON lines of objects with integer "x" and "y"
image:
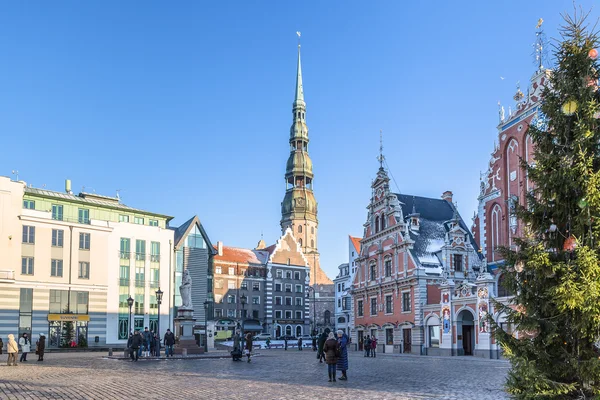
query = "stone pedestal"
{"x": 185, "y": 328}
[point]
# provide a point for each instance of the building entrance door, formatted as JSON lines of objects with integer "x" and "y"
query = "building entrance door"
{"x": 468, "y": 339}
{"x": 361, "y": 340}
{"x": 407, "y": 337}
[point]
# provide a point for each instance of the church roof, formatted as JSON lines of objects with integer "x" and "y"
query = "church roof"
{"x": 434, "y": 222}
{"x": 241, "y": 255}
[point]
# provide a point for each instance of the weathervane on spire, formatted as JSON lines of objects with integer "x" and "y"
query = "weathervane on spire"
{"x": 381, "y": 158}
{"x": 540, "y": 52}
{"x": 299, "y": 34}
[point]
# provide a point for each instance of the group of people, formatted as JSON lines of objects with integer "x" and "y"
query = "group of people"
{"x": 370, "y": 346}
{"x": 335, "y": 353}
{"x": 145, "y": 344}
{"x": 24, "y": 345}
{"x": 236, "y": 353}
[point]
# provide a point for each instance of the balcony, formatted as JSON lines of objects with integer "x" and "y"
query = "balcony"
{"x": 124, "y": 255}
{"x": 140, "y": 257}
{"x": 154, "y": 284}
{"x": 6, "y": 274}
{"x": 154, "y": 257}
{"x": 124, "y": 282}
{"x": 140, "y": 283}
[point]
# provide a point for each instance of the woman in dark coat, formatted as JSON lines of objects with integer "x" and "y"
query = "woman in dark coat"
{"x": 248, "y": 345}
{"x": 342, "y": 362}
{"x": 41, "y": 346}
{"x": 329, "y": 349}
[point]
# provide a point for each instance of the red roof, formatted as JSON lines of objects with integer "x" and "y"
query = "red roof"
{"x": 239, "y": 255}
{"x": 356, "y": 243}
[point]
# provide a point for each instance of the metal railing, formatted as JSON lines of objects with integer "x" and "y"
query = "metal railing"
{"x": 140, "y": 256}
{"x": 124, "y": 255}
{"x": 154, "y": 257}
{"x": 124, "y": 281}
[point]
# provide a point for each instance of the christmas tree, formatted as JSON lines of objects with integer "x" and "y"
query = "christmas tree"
{"x": 554, "y": 269}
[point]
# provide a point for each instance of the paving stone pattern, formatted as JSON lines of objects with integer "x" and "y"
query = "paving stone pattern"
{"x": 273, "y": 374}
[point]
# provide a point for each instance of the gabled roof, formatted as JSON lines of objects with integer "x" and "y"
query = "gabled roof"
{"x": 182, "y": 231}
{"x": 355, "y": 243}
{"x": 434, "y": 222}
{"x": 241, "y": 255}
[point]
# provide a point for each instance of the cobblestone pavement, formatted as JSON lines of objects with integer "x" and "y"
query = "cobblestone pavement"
{"x": 273, "y": 374}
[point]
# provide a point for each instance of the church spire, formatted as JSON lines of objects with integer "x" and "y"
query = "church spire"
{"x": 299, "y": 98}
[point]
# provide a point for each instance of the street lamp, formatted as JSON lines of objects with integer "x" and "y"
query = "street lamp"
{"x": 314, "y": 319}
{"x": 243, "y": 300}
{"x": 159, "y": 295}
{"x": 130, "y": 304}
{"x": 206, "y": 304}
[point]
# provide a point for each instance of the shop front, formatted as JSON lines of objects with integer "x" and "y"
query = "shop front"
{"x": 68, "y": 330}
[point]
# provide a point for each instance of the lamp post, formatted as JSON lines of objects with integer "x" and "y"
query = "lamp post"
{"x": 314, "y": 319}
{"x": 159, "y": 295}
{"x": 206, "y": 304}
{"x": 243, "y": 300}
{"x": 130, "y": 304}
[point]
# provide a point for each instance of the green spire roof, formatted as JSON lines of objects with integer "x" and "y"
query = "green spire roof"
{"x": 299, "y": 98}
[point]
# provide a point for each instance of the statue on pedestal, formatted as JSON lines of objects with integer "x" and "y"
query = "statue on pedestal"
{"x": 186, "y": 291}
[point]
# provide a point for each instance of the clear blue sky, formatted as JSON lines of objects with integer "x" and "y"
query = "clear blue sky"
{"x": 187, "y": 108}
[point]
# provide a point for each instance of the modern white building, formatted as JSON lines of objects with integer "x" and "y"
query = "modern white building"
{"x": 68, "y": 264}
{"x": 344, "y": 316}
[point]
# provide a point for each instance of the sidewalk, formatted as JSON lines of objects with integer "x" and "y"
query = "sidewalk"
{"x": 212, "y": 354}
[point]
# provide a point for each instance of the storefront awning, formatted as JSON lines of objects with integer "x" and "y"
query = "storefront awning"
{"x": 253, "y": 327}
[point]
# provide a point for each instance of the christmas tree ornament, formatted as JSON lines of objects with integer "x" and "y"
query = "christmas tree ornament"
{"x": 593, "y": 54}
{"x": 597, "y": 115}
{"x": 570, "y": 244}
{"x": 582, "y": 203}
{"x": 569, "y": 107}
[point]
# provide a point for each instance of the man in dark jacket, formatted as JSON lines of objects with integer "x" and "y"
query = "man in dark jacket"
{"x": 322, "y": 339}
{"x": 136, "y": 342}
{"x": 41, "y": 346}
{"x": 169, "y": 341}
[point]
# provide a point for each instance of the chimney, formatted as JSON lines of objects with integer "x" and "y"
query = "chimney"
{"x": 447, "y": 195}
{"x": 68, "y": 186}
{"x": 220, "y": 248}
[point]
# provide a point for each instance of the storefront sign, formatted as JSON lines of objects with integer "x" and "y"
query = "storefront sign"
{"x": 290, "y": 321}
{"x": 68, "y": 317}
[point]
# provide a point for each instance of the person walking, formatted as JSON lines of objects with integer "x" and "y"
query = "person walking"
{"x": 249, "y": 345}
{"x": 25, "y": 344}
{"x": 12, "y": 348}
{"x": 374, "y": 347}
{"x": 169, "y": 342}
{"x": 267, "y": 343}
{"x": 368, "y": 346}
{"x": 1, "y": 346}
{"x": 320, "y": 345}
{"x": 330, "y": 349}
{"x": 285, "y": 343}
{"x": 314, "y": 343}
{"x": 300, "y": 344}
{"x": 342, "y": 362}
{"x": 136, "y": 344}
{"x": 41, "y": 346}
{"x": 147, "y": 338}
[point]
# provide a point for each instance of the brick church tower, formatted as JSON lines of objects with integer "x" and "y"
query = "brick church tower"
{"x": 299, "y": 207}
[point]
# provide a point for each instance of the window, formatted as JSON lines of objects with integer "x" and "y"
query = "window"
{"x": 388, "y": 267}
{"x": 27, "y": 265}
{"x": 231, "y": 271}
{"x": 153, "y": 222}
{"x": 278, "y": 314}
{"x": 278, "y": 300}
{"x": 140, "y": 250}
{"x": 56, "y": 268}
{"x": 155, "y": 251}
{"x": 256, "y": 286}
{"x": 388, "y": 304}
{"x": 244, "y": 286}
{"x": 298, "y": 314}
{"x": 138, "y": 220}
{"x": 406, "y": 301}
{"x": 327, "y": 317}
{"x": 288, "y": 314}
{"x": 458, "y": 262}
{"x": 343, "y": 285}
{"x": 299, "y": 228}
{"x": 288, "y": 274}
{"x": 434, "y": 336}
{"x": 279, "y": 273}
{"x": 218, "y": 312}
{"x": 312, "y": 243}
{"x": 84, "y": 241}
{"x": 297, "y": 275}
{"x": 389, "y": 336}
{"x": 339, "y": 287}
{"x": 339, "y": 303}
{"x": 29, "y": 204}
{"x": 125, "y": 248}
{"x": 231, "y": 313}
{"x": 503, "y": 291}
{"x": 360, "y": 309}
{"x": 57, "y": 212}
{"x": 374, "y": 306}
{"x": 373, "y": 271}
{"x": 255, "y": 314}
{"x": 28, "y": 234}
{"x": 218, "y": 270}
{"x": 312, "y": 229}
{"x": 288, "y": 301}
{"x": 140, "y": 276}
{"x": 346, "y": 303}
{"x": 300, "y": 242}
{"x": 377, "y": 224}
{"x": 230, "y": 284}
{"x": 298, "y": 301}
{"x": 25, "y": 310}
{"x": 231, "y": 299}
{"x": 255, "y": 299}
{"x": 58, "y": 237}
{"x": 124, "y": 275}
{"x": 154, "y": 278}
{"x": 288, "y": 287}
{"x": 83, "y": 216}
{"x": 299, "y": 289}
{"x": 123, "y": 218}
{"x": 218, "y": 283}
{"x": 278, "y": 287}
{"x": 84, "y": 270}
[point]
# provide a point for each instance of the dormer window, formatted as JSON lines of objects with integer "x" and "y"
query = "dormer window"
{"x": 414, "y": 221}
{"x": 458, "y": 262}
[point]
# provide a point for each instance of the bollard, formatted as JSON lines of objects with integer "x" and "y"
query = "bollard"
{"x": 110, "y": 352}
{"x": 184, "y": 352}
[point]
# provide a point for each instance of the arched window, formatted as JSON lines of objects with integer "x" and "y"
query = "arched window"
{"x": 298, "y": 331}
{"x": 288, "y": 330}
{"x": 372, "y": 271}
{"x": 496, "y": 218}
{"x": 299, "y": 228}
{"x": 502, "y": 290}
{"x": 377, "y": 224}
{"x": 341, "y": 320}
{"x": 327, "y": 317}
{"x": 388, "y": 266}
{"x": 312, "y": 230}
{"x": 300, "y": 242}
{"x": 312, "y": 243}
{"x": 382, "y": 222}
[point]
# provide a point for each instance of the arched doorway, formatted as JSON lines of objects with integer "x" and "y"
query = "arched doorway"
{"x": 278, "y": 331}
{"x": 288, "y": 330}
{"x": 465, "y": 333}
{"x": 298, "y": 331}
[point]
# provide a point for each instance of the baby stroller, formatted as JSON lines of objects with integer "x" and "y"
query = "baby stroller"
{"x": 236, "y": 354}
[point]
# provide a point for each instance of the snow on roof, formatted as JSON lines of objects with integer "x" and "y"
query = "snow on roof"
{"x": 240, "y": 255}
